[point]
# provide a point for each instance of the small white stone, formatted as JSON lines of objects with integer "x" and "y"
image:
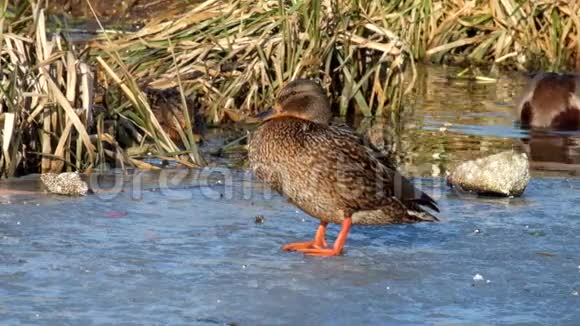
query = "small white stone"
{"x": 575, "y": 293}
{"x": 388, "y": 287}
{"x": 67, "y": 183}
{"x": 478, "y": 277}
{"x": 487, "y": 281}
{"x": 244, "y": 266}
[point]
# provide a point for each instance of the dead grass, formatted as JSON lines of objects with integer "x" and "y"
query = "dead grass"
{"x": 49, "y": 121}
{"x": 235, "y": 55}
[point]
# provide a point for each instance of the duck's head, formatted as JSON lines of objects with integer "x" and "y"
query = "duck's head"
{"x": 303, "y": 99}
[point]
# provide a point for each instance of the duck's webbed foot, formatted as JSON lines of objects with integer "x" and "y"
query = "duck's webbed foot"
{"x": 319, "y": 241}
{"x": 338, "y": 244}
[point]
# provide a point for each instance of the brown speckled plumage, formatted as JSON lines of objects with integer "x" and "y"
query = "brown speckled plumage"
{"x": 167, "y": 107}
{"x": 551, "y": 101}
{"x": 326, "y": 169}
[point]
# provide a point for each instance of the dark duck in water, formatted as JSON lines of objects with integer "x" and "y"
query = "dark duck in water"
{"x": 551, "y": 101}
{"x": 328, "y": 171}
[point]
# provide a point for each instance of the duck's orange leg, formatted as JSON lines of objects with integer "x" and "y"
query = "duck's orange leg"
{"x": 338, "y": 243}
{"x": 318, "y": 242}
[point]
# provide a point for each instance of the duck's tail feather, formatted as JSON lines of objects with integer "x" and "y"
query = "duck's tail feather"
{"x": 423, "y": 216}
{"x": 406, "y": 191}
{"x": 426, "y": 200}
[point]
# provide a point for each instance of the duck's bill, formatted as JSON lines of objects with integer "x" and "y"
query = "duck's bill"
{"x": 264, "y": 115}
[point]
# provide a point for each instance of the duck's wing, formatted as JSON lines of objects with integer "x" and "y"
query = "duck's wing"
{"x": 400, "y": 187}
{"x": 347, "y": 131}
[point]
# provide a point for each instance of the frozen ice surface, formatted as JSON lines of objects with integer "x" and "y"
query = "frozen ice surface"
{"x": 188, "y": 257}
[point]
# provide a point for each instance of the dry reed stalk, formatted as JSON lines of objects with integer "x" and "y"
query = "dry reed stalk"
{"x": 46, "y": 104}
{"x": 235, "y": 55}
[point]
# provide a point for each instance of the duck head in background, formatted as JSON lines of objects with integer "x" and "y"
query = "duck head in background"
{"x": 550, "y": 100}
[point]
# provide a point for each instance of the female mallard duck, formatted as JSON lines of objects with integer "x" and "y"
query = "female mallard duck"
{"x": 551, "y": 101}
{"x": 327, "y": 170}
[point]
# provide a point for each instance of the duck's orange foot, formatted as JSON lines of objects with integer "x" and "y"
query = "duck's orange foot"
{"x": 318, "y": 243}
{"x": 338, "y": 244}
{"x": 322, "y": 252}
{"x": 300, "y": 246}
